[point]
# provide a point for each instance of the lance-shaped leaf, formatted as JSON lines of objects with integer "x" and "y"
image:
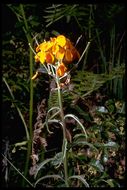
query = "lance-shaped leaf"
{"x": 46, "y": 119}
{"x": 80, "y": 124}
{"x": 41, "y": 165}
{"x": 79, "y": 142}
{"x": 48, "y": 176}
{"x": 81, "y": 178}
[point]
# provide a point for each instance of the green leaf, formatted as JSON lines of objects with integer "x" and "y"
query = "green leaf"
{"x": 85, "y": 115}
{"x": 20, "y": 143}
{"x": 68, "y": 18}
{"x": 48, "y": 176}
{"x": 58, "y": 159}
{"x": 76, "y": 118}
{"x": 109, "y": 144}
{"x": 81, "y": 178}
{"x": 54, "y": 6}
{"x": 79, "y": 142}
{"x": 109, "y": 182}
{"x": 55, "y": 33}
{"x": 110, "y": 105}
{"x": 18, "y": 171}
{"x": 47, "y": 119}
{"x": 41, "y": 165}
{"x": 97, "y": 165}
{"x": 79, "y": 136}
{"x": 64, "y": 148}
{"x": 54, "y": 121}
{"x": 20, "y": 114}
{"x": 86, "y": 82}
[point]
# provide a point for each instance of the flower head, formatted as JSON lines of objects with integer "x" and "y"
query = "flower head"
{"x": 57, "y": 50}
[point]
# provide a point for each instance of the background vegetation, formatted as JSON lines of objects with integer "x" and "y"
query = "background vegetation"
{"x": 96, "y": 94}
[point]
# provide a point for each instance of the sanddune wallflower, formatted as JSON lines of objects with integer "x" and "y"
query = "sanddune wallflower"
{"x": 57, "y": 50}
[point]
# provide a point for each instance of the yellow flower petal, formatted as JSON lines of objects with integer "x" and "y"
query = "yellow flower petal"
{"x": 45, "y": 46}
{"x": 61, "y": 40}
{"x": 60, "y": 54}
{"x": 37, "y": 59}
{"x": 55, "y": 49}
{"x": 59, "y": 48}
{"x": 42, "y": 58}
{"x": 53, "y": 40}
{"x": 48, "y": 45}
{"x": 41, "y": 47}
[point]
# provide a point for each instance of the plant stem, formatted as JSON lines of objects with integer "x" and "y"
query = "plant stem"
{"x": 31, "y": 94}
{"x": 28, "y": 36}
{"x": 19, "y": 111}
{"x": 64, "y": 130}
{"x": 101, "y": 52}
{"x": 18, "y": 171}
{"x": 29, "y": 148}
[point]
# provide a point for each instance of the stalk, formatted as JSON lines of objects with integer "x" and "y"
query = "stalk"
{"x": 28, "y": 36}
{"x": 64, "y": 129}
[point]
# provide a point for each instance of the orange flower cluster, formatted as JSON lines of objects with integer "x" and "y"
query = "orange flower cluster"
{"x": 57, "y": 50}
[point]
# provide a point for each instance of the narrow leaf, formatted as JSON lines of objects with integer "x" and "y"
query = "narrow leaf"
{"x": 109, "y": 182}
{"x": 20, "y": 114}
{"x": 54, "y": 6}
{"x": 81, "y": 135}
{"x": 97, "y": 164}
{"x": 39, "y": 166}
{"x": 64, "y": 148}
{"x": 84, "y": 143}
{"x": 48, "y": 176}
{"x": 58, "y": 159}
{"x": 80, "y": 124}
{"x": 46, "y": 119}
{"x": 81, "y": 179}
{"x": 18, "y": 171}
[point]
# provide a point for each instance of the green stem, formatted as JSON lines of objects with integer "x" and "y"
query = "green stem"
{"x": 31, "y": 94}
{"x": 29, "y": 148}
{"x": 30, "y": 41}
{"x": 101, "y": 52}
{"x": 64, "y": 130}
{"x": 26, "y": 30}
{"x": 19, "y": 111}
{"x": 18, "y": 171}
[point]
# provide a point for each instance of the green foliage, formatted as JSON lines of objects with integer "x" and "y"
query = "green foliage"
{"x": 102, "y": 146}
{"x": 80, "y": 14}
{"x": 113, "y": 10}
{"x": 84, "y": 83}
